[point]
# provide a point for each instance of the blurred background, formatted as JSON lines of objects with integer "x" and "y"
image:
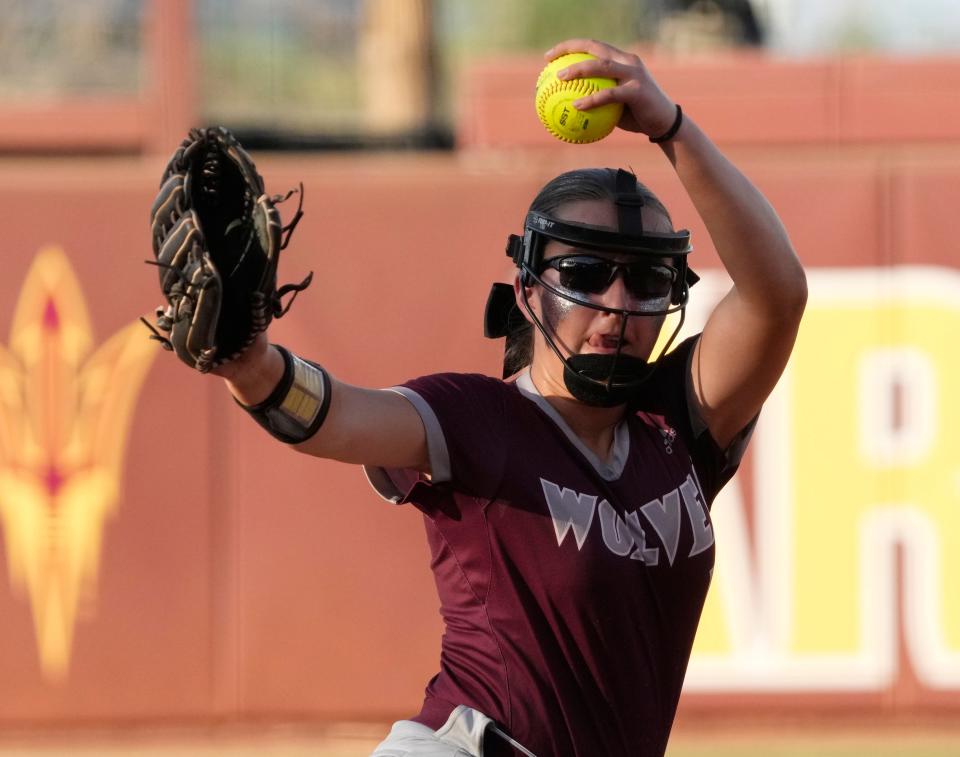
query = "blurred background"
{"x": 172, "y": 581}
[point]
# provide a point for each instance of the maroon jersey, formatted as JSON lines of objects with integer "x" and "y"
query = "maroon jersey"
{"x": 570, "y": 587}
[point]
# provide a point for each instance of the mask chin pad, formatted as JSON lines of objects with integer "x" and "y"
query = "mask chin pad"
{"x": 605, "y": 380}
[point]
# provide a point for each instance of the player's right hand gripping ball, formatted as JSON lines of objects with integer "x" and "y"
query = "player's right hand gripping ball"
{"x": 555, "y": 97}
{"x": 217, "y": 238}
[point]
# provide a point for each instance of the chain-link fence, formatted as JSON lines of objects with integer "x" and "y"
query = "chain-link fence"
{"x": 341, "y": 69}
{"x": 327, "y": 71}
{"x": 351, "y": 72}
{"x": 55, "y": 48}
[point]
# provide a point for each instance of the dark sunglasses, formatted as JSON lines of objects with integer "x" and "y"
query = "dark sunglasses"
{"x": 592, "y": 275}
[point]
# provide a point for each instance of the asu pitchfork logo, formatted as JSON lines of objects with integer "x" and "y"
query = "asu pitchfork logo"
{"x": 65, "y": 410}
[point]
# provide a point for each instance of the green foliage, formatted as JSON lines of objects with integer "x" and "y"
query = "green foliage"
{"x": 466, "y": 26}
{"x": 295, "y": 66}
{"x": 250, "y": 80}
{"x": 549, "y": 21}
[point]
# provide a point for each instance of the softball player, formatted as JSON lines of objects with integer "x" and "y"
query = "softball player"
{"x": 567, "y": 506}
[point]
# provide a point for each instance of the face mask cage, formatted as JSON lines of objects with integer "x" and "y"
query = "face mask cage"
{"x": 666, "y": 251}
{"x": 607, "y": 379}
{"x": 603, "y": 380}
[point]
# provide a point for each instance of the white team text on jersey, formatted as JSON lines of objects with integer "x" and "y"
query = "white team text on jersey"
{"x": 625, "y": 535}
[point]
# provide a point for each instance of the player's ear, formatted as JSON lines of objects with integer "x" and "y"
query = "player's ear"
{"x": 523, "y": 291}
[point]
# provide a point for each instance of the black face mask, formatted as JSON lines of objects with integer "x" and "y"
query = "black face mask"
{"x": 654, "y": 258}
{"x": 605, "y": 380}
{"x": 600, "y": 380}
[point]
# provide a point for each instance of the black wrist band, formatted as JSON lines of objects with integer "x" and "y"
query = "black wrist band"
{"x": 275, "y": 397}
{"x": 672, "y": 131}
{"x": 298, "y": 405}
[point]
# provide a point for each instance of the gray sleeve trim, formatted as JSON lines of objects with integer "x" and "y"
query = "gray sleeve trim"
{"x": 736, "y": 449}
{"x": 385, "y": 484}
{"x": 436, "y": 442}
{"x": 697, "y": 423}
{"x": 734, "y": 452}
{"x": 382, "y": 484}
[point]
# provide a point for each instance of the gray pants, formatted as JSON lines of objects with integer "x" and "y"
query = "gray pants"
{"x": 460, "y": 736}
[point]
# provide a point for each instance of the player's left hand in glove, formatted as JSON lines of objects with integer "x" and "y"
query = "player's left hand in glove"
{"x": 217, "y": 238}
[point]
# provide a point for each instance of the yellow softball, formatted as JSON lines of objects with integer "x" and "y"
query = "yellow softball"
{"x": 555, "y": 97}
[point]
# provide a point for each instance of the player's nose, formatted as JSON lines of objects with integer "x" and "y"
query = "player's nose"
{"x": 616, "y": 295}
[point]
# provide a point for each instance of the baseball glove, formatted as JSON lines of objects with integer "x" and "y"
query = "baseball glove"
{"x": 217, "y": 237}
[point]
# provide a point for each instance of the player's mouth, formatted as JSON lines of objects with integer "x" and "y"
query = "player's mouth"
{"x": 604, "y": 344}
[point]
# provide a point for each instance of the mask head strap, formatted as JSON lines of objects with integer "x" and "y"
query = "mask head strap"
{"x": 628, "y": 202}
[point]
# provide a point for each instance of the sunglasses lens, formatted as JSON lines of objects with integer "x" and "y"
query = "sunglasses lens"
{"x": 650, "y": 282}
{"x": 649, "y": 287}
{"x": 582, "y": 274}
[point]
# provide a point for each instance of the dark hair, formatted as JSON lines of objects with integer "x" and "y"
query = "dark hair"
{"x": 588, "y": 184}
{"x": 580, "y": 184}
